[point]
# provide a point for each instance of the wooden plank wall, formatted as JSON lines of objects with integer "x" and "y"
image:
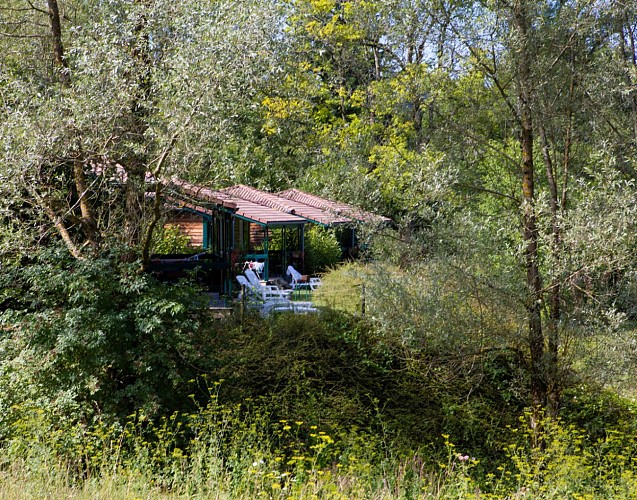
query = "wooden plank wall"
{"x": 256, "y": 235}
{"x": 190, "y": 225}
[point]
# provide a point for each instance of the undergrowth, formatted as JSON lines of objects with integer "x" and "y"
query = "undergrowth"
{"x": 115, "y": 386}
{"x": 223, "y": 451}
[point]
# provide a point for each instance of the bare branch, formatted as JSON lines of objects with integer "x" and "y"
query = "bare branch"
{"x": 11, "y": 35}
{"x": 37, "y": 9}
{"x": 58, "y": 222}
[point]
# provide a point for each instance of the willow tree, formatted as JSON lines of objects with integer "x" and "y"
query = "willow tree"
{"x": 538, "y": 59}
{"x": 356, "y": 109}
{"x": 98, "y": 95}
{"x": 92, "y": 98}
{"x": 513, "y": 114}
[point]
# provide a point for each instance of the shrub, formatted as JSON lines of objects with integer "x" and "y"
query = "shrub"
{"x": 322, "y": 250}
{"x": 96, "y": 335}
{"x": 341, "y": 288}
{"x": 170, "y": 240}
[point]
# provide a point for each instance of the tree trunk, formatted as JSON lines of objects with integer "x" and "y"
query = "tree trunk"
{"x": 89, "y": 227}
{"x": 629, "y": 55}
{"x": 529, "y": 222}
{"x": 137, "y": 165}
{"x": 58, "y": 47}
{"x": 554, "y": 313}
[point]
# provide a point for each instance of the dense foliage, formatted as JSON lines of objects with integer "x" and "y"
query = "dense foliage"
{"x": 322, "y": 250}
{"x": 97, "y": 338}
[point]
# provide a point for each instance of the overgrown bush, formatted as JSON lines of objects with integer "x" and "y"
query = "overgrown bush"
{"x": 342, "y": 288}
{"x": 316, "y": 368}
{"x": 171, "y": 240}
{"x": 337, "y": 369}
{"x": 322, "y": 250}
{"x": 98, "y": 337}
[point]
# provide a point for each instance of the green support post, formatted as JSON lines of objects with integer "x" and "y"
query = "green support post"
{"x": 266, "y": 267}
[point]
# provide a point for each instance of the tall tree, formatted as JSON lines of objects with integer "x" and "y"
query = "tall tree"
{"x": 504, "y": 102}
{"x": 120, "y": 87}
{"x": 537, "y": 58}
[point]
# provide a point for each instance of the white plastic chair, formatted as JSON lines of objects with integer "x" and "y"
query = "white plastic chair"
{"x": 261, "y": 293}
{"x": 315, "y": 283}
{"x": 304, "y": 308}
{"x": 255, "y": 266}
{"x": 295, "y": 275}
{"x": 277, "y": 305}
{"x": 266, "y": 291}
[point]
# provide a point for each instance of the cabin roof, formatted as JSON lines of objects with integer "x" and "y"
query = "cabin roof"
{"x": 244, "y": 208}
{"x": 334, "y": 207}
{"x": 291, "y": 206}
{"x": 285, "y": 208}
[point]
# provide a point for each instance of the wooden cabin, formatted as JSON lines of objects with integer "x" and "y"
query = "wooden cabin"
{"x": 241, "y": 223}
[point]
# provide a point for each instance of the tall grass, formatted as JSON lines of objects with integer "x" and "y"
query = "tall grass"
{"x": 226, "y": 451}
